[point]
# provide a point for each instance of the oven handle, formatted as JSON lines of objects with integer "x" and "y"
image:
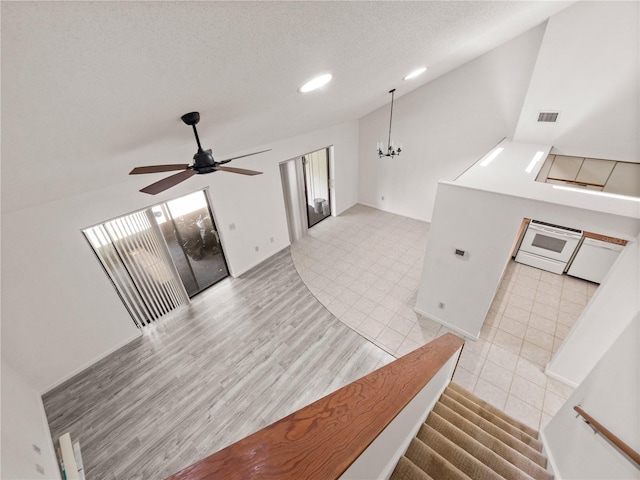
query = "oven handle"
{"x": 555, "y": 232}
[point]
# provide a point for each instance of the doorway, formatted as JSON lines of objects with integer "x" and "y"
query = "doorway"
{"x": 306, "y": 191}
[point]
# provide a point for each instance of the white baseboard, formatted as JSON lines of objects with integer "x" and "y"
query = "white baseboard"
{"x": 552, "y": 465}
{"x": 456, "y": 329}
{"x": 378, "y": 207}
{"x": 560, "y": 378}
{"x": 88, "y": 364}
{"x": 235, "y": 274}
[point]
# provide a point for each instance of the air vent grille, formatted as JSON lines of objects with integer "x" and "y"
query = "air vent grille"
{"x": 548, "y": 117}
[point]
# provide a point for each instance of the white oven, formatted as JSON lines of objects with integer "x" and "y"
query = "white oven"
{"x": 548, "y": 246}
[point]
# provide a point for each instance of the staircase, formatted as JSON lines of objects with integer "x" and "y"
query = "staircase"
{"x": 466, "y": 438}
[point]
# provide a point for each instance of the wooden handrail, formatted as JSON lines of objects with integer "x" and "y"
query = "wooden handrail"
{"x": 324, "y": 438}
{"x": 630, "y": 452}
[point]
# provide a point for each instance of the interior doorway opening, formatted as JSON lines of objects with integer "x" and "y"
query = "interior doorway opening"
{"x": 307, "y": 191}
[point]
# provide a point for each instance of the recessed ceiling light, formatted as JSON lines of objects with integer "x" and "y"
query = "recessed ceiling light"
{"x": 315, "y": 83}
{"x": 415, "y": 73}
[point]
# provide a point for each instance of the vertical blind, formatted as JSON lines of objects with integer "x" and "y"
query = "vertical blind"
{"x": 136, "y": 260}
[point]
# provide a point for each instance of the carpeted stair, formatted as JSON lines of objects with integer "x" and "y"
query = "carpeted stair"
{"x": 466, "y": 438}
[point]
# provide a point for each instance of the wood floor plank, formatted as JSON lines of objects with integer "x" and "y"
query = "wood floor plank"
{"x": 242, "y": 355}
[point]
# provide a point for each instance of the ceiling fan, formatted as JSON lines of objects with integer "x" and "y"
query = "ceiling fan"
{"x": 203, "y": 163}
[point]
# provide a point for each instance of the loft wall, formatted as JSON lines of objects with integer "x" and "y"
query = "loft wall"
{"x": 588, "y": 70}
{"x": 444, "y": 127}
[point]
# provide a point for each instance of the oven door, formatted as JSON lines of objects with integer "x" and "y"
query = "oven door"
{"x": 550, "y": 242}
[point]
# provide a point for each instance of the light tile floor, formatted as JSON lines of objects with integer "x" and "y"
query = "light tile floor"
{"x": 365, "y": 267}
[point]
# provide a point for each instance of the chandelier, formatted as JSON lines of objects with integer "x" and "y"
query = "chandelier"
{"x": 391, "y": 150}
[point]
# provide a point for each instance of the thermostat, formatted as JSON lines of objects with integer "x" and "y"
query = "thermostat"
{"x": 461, "y": 253}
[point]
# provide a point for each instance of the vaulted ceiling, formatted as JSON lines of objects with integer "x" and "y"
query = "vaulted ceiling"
{"x": 92, "y": 89}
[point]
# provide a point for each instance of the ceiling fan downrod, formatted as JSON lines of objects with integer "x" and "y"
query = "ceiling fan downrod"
{"x": 192, "y": 120}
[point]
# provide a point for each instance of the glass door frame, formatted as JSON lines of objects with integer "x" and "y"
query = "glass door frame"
{"x": 214, "y": 222}
{"x": 328, "y": 151}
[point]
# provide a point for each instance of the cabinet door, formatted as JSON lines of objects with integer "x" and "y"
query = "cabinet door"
{"x": 624, "y": 179}
{"x": 565, "y": 168}
{"x": 595, "y": 172}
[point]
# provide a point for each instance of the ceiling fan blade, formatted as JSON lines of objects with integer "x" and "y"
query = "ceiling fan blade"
{"x": 168, "y": 182}
{"x": 243, "y": 171}
{"x": 242, "y": 156}
{"x": 159, "y": 168}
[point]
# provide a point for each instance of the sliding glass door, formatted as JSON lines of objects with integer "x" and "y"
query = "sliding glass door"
{"x": 189, "y": 231}
{"x": 159, "y": 257}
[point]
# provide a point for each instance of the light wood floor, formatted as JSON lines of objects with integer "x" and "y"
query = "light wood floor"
{"x": 245, "y": 353}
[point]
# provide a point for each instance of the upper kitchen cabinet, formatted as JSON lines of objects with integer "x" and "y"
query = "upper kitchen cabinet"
{"x": 565, "y": 168}
{"x": 624, "y": 179}
{"x": 593, "y": 173}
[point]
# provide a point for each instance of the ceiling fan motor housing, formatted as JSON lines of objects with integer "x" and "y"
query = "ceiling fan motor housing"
{"x": 203, "y": 162}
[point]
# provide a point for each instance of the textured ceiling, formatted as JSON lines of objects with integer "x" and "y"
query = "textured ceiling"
{"x": 91, "y": 89}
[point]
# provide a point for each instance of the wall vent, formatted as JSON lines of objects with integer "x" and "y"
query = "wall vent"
{"x": 551, "y": 117}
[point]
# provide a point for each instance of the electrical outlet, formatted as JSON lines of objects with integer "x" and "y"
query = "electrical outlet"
{"x": 257, "y": 248}
{"x": 232, "y": 226}
{"x": 441, "y": 305}
{"x": 382, "y": 197}
{"x": 271, "y": 239}
{"x": 40, "y": 469}
{"x": 36, "y": 449}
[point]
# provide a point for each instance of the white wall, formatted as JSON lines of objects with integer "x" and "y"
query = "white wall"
{"x": 485, "y": 224}
{"x": 24, "y": 425}
{"x": 444, "y": 127}
{"x": 60, "y": 313}
{"x": 588, "y": 69}
{"x": 611, "y": 394}
{"x": 59, "y": 310}
{"x": 613, "y": 306}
